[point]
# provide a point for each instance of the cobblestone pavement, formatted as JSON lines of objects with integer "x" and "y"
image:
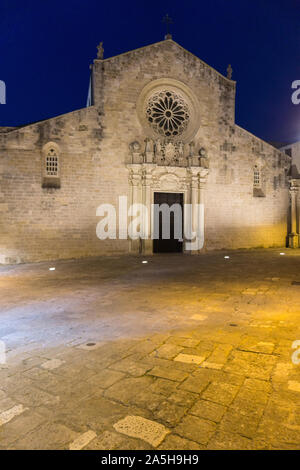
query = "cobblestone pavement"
{"x": 184, "y": 352}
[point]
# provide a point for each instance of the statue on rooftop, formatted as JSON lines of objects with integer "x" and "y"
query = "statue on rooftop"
{"x": 229, "y": 72}
{"x": 100, "y": 51}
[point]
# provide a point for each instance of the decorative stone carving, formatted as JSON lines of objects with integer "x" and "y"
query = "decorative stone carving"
{"x": 135, "y": 148}
{"x": 293, "y": 235}
{"x": 164, "y": 152}
{"x": 170, "y": 153}
{"x": 149, "y": 151}
{"x": 168, "y": 108}
{"x": 203, "y": 160}
{"x": 168, "y": 113}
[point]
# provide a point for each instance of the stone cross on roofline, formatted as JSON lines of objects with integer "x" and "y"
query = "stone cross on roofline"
{"x": 168, "y": 21}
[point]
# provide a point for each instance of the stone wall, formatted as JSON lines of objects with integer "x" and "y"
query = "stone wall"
{"x": 39, "y": 223}
{"x": 235, "y": 218}
{"x": 294, "y": 151}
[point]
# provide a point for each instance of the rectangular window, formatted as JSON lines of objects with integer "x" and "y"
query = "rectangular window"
{"x": 52, "y": 165}
{"x": 256, "y": 179}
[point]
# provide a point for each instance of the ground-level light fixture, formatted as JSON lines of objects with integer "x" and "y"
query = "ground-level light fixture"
{"x": 282, "y": 254}
{"x": 226, "y": 257}
{"x": 144, "y": 262}
{"x": 51, "y": 269}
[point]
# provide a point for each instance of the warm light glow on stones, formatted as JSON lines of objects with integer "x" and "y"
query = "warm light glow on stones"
{"x": 282, "y": 254}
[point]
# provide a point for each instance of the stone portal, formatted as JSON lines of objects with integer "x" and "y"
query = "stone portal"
{"x": 169, "y": 227}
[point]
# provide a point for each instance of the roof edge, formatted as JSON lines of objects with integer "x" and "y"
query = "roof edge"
{"x": 161, "y": 42}
{"x": 23, "y": 126}
{"x": 258, "y": 138}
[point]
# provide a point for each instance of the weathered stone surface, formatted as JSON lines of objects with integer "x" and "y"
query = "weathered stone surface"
{"x": 20, "y": 426}
{"x": 11, "y": 413}
{"x": 189, "y": 358}
{"x": 220, "y": 392}
{"x": 208, "y": 410}
{"x": 227, "y": 441}
{"x": 258, "y": 366}
{"x": 83, "y": 440}
{"x": 109, "y": 440}
{"x": 243, "y": 424}
{"x": 200, "y": 430}
{"x": 173, "y": 442}
{"x": 93, "y": 158}
{"x": 138, "y": 427}
{"x": 169, "y": 413}
{"x": 168, "y": 351}
{"x": 251, "y": 402}
{"x": 171, "y": 374}
{"x": 52, "y": 364}
{"x": 49, "y": 436}
{"x": 105, "y": 378}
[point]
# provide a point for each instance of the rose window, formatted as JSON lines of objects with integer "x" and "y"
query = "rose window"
{"x": 167, "y": 113}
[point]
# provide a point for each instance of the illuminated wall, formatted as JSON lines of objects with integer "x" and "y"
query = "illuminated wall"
{"x": 40, "y": 219}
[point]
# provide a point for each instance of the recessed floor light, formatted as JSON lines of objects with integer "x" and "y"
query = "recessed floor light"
{"x": 282, "y": 254}
{"x": 51, "y": 269}
{"x": 144, "y": 262}
{"x": 226, "y": 257}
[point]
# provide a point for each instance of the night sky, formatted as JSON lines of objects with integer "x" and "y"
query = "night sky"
{"x": 46, "y": 47}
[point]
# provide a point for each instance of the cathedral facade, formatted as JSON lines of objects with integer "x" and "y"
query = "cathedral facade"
{"x": 160, "y": 127}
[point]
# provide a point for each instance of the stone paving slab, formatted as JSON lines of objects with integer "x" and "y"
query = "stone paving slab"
{"x": 185, "y": 355}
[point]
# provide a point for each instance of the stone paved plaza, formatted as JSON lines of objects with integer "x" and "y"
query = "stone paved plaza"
{"x": 182, "y": 352}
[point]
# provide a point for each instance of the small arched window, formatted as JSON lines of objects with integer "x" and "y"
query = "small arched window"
{"x": 52, "y": 163}
{"x": 51, "y": 166}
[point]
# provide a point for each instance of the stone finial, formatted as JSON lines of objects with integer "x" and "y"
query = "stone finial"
{"x": 135, "y": 146}
{"x": 229, "y": 72}
{"x": 192, "y": 149}
{"x": 100, "y": 53}
{"x": 135, "y": 149}
{"x": 149, "y": 150}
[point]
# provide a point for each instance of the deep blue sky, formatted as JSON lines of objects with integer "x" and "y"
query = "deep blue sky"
{"x": 46, "y": 47}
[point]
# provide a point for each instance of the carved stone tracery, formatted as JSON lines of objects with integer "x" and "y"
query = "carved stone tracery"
{"x": 168, "y": 113}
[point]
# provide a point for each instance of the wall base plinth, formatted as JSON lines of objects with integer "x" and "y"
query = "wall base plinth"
{"x": 293, "y": 240}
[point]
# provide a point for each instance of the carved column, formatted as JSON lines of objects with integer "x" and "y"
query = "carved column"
{"x": 135, "y": 198}
{"x": 191, "y": 213}
{"x": 198, "y": 181}
{"x": 293, "y": 236}
{"x": 202, "y": 185}
{"x": 195, "y": 202}
{"x": 146, "y": 188}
